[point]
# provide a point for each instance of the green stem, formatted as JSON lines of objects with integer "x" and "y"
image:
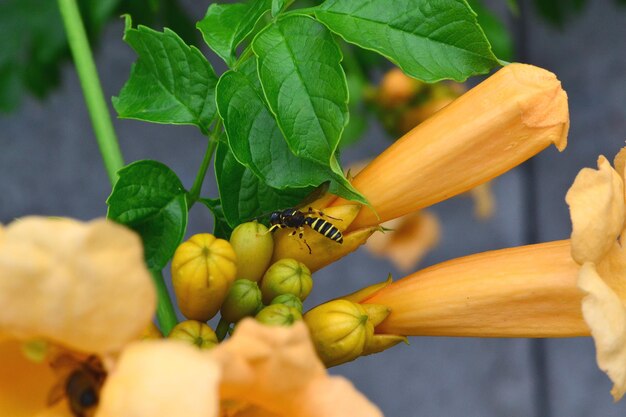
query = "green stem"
{"x": 222, "y": 329}
{"x": 90, "y": 83}
{"x": 194, "y": 193}
{"x": 165, "y": 311}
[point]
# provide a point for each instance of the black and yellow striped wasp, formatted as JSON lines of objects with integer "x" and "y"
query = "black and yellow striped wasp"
{"x": 294, "y": 218}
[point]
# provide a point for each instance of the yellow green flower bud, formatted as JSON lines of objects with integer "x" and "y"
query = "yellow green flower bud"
{"x": 287, "y": 276}
{"x": 243, "y": 299}
{"x": 380, "y": 342}
{"x": 278, "y": 315}
{"x": 289, "y": 300}
{"x": 196, "y": 333}
{"x": 203, "y": 269}
{"x": 340, "y": 330}
{"x": 254, "y": 246}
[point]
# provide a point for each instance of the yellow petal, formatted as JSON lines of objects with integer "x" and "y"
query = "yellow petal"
{"x": 596, "y": 202}
{"x": 504, "y": 293}
{"x": 412, "y": 236}
{"x": 82, "y": 285}
{"x": 619, "y": 162}
{"x": 275, "y": 371}
{"x": 605, "y": 313}
{"x": 161, "y": 378}
{"x": 24, "y": 385}
{"x": 508, "y": 118}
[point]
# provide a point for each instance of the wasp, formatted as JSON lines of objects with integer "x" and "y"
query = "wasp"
{"x": 297, "y": 219}
{"x": 79, "y": 381}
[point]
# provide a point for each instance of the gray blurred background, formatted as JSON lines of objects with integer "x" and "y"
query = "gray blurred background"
{"x": 49, "y": 164}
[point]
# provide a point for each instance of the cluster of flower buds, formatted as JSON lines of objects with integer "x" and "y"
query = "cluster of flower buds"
{"x": 238, "y": 279}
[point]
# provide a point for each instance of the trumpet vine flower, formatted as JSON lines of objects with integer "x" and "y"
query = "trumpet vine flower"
{"x": 68, "y": 290}
{"x": 596, "y": 201}
{"x": 260, "y": 371}
{"x": 508, "y": 118}
{"x": 77, "y": 300}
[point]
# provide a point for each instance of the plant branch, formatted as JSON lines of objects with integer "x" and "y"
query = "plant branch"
{"x": 92, "y": 91}
{"x": 194, "y": 193}
{"x": 165, "y": 310}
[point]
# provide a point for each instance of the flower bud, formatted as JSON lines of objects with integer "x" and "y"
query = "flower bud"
{"x": 196, "y": 333}
{"x": 289, "y": 300}
{"x": 203, "y": 269}
{"x": 278, "y": 315}
{"x": 243, "y": 299}
{"x": 254, "y": 246}
{"x": 287, "y": 276}
{"x": 340, "y": 330}
{"x": 396, "y": 89}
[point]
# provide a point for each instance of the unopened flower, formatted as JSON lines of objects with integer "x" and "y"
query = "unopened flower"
{"x": 75, "y": 292}
{"x": 527, "y": 291}
{"x": 260, "y": 371}
{"x": 511, "y": 116}
{"x": 596, "y": 201}
{"x": 505, "y": 120}
{"x": 203, "y": 269}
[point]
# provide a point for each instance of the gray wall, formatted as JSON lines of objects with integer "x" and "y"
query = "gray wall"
{"x": 49, "y": 164}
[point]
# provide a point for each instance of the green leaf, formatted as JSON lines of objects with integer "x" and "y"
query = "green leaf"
{"x": 304, "y": 84}
{"x": 243, "y": 195}
{"x": 429, "y": 40}
{"x": 221, "y": 229}
{"x": 171, "y": 82}
{"x": 149, "y": 198}
{"x": 257, "y": 143}
{"x": 254, "y": 136}
{"x": 277, "y": 6}
{"x": 225, "y": 26}
{"x": 495, "y": 30}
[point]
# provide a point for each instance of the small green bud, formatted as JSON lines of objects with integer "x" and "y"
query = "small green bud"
{"x": 278, "y": 315}
{"x": 289, "y": 300}
{"x": 243, "y": 299}
{"x": 196, "y": 333}
{"x": 287, "y": 276}
{"x": 254, "y": 246}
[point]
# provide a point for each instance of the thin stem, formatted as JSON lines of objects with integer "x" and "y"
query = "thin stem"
{"x": 222, "y": 329}
{"x": 194, "y": 193}
{"x": 165, "y": 310}
{"x": 90, "y": 83}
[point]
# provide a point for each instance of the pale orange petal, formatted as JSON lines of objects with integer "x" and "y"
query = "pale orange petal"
{"x": 619, "y": 162}
{"x": 605, "y": 313}
{"x": 504, "y": 293}
{"x": 161, "y": 379}
{"x": 82, "y": 285}
{"x": 276, "y": 370}
{"x": 334, "y": 397}
{"x": 412, "y": 236}
{"x": 508, "y": 118}
{"x": 24, "y": 385}
{"x": 596, "y": 201}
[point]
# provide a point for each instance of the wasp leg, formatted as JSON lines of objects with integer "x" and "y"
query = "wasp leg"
{"x": 321, "y": 214}
{"x": 272, "y": 228}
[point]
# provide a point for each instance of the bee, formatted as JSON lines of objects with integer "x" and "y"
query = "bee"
{"x": 79, "y": 381}
{"x": 297, "y": 219}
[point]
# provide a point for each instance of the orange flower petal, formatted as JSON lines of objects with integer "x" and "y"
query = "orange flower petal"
{"x": 596, "y": 201}
{"x": 605, "y": 313}
{"x": 161, "y": 378}
{"x": 275, "y": 370}
{"x": 82, "y": 285}
{"x": 503, "y": 293}
{"x": 24, "y": 384}
{"x": 511, "y": 116}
